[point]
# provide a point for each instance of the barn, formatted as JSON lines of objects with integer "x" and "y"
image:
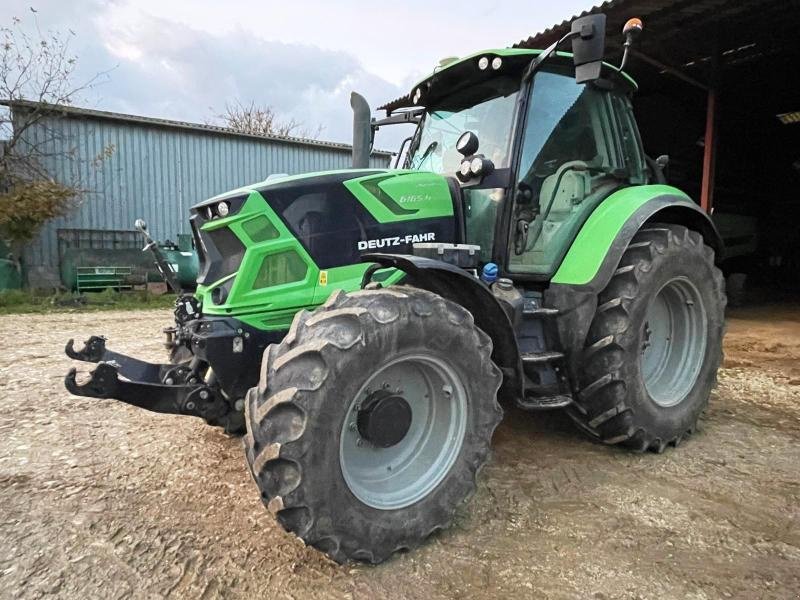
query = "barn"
{"x": 131, "y": 167}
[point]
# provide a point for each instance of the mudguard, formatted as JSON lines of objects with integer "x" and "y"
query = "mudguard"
{"x": 458, "y": 285}
{"x": 594, "y": 255}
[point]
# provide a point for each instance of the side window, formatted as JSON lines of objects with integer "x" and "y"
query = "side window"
{"x": 630, "y": 143}
{"x": 569, "y": 163}
{"x": 562, "y": 126}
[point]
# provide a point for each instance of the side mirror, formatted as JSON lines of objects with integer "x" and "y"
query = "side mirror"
{"x": 588, "y": 45}
{"x": 662, "y": 161}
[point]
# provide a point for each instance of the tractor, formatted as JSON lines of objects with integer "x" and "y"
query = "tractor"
{"x": 362, "y": 327}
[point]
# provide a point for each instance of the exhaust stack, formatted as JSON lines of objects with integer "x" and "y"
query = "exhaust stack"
{"x": 362, "y": 131}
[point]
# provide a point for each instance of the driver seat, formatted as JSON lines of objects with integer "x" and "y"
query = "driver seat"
{"x": 564, "y": 189}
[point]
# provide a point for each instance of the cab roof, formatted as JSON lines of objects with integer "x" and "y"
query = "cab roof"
{"x": 454, "y": 75}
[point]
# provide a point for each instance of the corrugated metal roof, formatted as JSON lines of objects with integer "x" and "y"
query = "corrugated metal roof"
{"x": 396, "y": 103}
{"x": 682, "y": 33}
{"x": 156, "y": 122}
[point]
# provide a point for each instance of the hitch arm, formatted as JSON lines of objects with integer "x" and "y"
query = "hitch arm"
{"x": 191, "y": 399}
{"x": 94, "y": 351}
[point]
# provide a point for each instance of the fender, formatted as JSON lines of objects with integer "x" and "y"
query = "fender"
{"x": 459, "y": 286}
{"x": 595, "y": 253}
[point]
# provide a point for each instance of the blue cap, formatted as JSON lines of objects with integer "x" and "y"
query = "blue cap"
{"x": 489, "y": 273}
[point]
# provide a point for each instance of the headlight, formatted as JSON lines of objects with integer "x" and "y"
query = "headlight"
{"x": 467, "y": 143}
{"x": 417, "y": 95}
{"x": 483, "y": 63}
{"x": 476, "y": 166}
{"x": 223, "y": 208}
{"x": 497, "y": 62}
{"x": 465, "y": 168}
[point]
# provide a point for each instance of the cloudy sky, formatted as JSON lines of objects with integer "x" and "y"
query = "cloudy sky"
{"x": 186, "y": 59}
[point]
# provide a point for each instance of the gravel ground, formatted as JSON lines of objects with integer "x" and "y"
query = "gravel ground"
{"x": 101, "y": 500}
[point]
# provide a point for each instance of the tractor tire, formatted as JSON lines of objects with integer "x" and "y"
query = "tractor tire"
{"x": 371, "y": 421}
{"x": 655, "y": 343}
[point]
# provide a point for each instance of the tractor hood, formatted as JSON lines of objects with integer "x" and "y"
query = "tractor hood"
{"x": 297, "y": 231}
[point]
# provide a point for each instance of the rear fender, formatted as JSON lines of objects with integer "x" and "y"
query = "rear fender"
{"x": 594, "y": 256}
{"x": 460, "y": 287}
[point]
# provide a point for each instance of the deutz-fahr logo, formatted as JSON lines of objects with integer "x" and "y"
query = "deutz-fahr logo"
{"x": 396, "y": 241}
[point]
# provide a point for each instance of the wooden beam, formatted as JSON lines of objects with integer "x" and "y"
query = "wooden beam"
{"x": 709, "y": 152}
{"x": 710, "y": 137}
{"x": 668, "y": 69}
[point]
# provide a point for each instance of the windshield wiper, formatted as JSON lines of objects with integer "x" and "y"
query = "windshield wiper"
{"x": 431, "y": 147}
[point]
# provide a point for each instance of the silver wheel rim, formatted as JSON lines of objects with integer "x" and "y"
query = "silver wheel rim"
{"x": 673, "y": 342}
{"x": 403, "y": 474}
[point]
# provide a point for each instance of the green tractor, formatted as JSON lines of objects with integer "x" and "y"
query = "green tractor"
{"x": 360, "y": 326}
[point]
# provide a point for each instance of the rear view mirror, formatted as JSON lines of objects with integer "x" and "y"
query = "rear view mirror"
{"x": 588, "y": 46}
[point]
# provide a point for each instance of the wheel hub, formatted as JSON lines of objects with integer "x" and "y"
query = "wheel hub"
{"x": 673, "y": 342}
{"x": 384, "y": 419}
{"x": 403, "y": 431}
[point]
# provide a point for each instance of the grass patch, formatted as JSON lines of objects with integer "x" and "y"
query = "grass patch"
{"x": 34, "y": 301}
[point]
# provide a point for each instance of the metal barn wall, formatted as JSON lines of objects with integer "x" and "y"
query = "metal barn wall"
{"x": 157, "y": 172}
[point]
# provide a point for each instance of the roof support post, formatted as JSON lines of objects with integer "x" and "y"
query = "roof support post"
{"x": 710, "y": 138}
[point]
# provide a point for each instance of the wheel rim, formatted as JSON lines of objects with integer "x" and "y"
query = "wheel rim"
{"x": 407, "y": 471}
{"x": 673, "y": 342}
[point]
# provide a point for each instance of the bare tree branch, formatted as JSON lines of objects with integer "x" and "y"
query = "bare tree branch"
{"x": 262, "y": 120}
{"x": 36, "y": 76}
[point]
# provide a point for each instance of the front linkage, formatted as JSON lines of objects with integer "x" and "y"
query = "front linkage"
{"x": 222, "y": 356}
{"x": 163, "y": 388}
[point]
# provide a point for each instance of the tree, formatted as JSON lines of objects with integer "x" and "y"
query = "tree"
{"x": 36, "y": 75}
{"x": 262, "y": 120}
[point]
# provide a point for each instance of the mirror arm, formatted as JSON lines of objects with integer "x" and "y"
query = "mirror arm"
{"x": 400, "y": 152}
{"x": 531, "y": 69}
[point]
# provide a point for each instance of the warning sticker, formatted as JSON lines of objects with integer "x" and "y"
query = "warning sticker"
{"x": 323, "y": 278}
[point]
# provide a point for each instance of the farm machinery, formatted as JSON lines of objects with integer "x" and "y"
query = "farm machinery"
{"x": 360, "y": 326}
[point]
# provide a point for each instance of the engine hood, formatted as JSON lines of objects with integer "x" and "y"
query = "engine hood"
{"x": 283, "y": 180}
{"x": 276, "y": 241}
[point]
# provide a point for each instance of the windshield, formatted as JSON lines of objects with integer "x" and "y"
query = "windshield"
{"x": 491, "y": 120}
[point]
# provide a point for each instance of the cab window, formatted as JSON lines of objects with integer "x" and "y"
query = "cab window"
{"x": 570, "y": 160}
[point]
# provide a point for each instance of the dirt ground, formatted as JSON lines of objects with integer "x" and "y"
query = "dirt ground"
{"x": 101, "y": 500}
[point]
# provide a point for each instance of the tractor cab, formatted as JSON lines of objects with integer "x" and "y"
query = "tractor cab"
{"x": 536, "y": 155}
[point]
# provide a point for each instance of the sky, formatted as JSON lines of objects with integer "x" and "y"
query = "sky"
{"x": 185, "y": 60}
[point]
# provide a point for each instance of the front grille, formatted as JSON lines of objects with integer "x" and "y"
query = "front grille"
{"x": 220, "y": 253}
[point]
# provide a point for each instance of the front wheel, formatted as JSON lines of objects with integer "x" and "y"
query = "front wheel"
{"x": 655, "y": 342}
{"x": 371, "y": 421}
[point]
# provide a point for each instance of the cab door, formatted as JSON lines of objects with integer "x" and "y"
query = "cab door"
{"x": 571, "y": 159}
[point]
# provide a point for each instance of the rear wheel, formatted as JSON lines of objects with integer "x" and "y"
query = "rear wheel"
{"x": 655, "y": 342}
{"x": 371, "y": 421}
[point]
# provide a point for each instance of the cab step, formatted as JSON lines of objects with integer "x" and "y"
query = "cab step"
{"x": 531, "y": 310}
{"x": 540, "y": 358}
{"x": 544, "y": 402}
